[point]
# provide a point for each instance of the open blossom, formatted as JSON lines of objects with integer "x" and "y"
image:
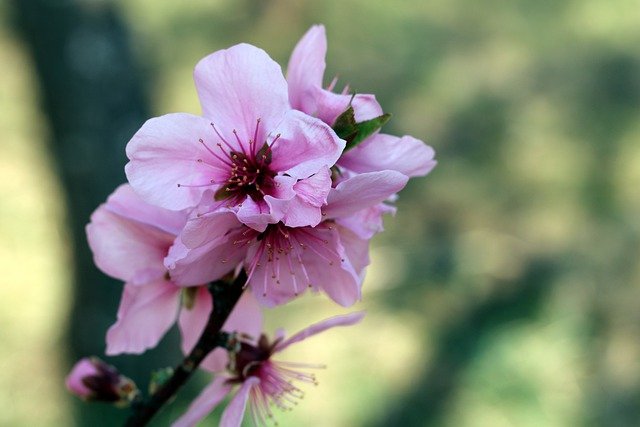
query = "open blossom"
{"x": 258, "y": 379}
{"x": 305, "y": 74}
{"x": 282, "y": 262}
{"x": 130, "y": 240}
{"x": 263, "y": 160}
{"x": 378, "y": 152}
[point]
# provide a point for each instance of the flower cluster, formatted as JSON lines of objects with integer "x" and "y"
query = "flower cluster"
{"x": 281, "y": 179}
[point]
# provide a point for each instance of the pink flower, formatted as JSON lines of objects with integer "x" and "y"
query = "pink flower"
{"x": 263, "y": 382}
{"x": 282, "y": 262}
{"x": 84, "y": 368}
{"x": 305, "y": 74}
{"x": 263, "y": 160}
{"x": 130, "y": 240}
{"x": 378, "y": 152}
{"x": 92, "y": 379}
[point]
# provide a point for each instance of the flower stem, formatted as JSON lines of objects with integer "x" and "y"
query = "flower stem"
{"x": 225, "y": 296}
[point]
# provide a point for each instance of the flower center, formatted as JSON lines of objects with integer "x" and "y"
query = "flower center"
{"x": 276, "y": 386}
{"x": 246, "y": 163}
{"x": 246, "y": 362}
{"x": 249, "y": 173}
{"x": 249, "y": 176}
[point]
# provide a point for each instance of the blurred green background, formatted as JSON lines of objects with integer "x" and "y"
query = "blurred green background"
{"x": 505, "y": 292}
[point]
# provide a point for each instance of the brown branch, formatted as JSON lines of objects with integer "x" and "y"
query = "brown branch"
{"x": 225, "y": 296}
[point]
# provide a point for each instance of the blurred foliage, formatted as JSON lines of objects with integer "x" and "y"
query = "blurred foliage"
{"x": 504, "y": 292}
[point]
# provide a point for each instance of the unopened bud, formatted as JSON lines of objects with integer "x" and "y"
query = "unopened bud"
{"x": 93, "y": 379}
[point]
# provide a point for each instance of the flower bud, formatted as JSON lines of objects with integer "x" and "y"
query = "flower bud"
{"x": 93, "y": 379}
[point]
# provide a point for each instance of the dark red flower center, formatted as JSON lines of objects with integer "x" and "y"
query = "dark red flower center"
{"x": 249, "y": 176}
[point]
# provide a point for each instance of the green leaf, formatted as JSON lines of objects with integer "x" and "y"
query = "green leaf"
{"x": 345, "y": 125}
{"x": 354, "y": 133}
{"x": 366, "y": 129}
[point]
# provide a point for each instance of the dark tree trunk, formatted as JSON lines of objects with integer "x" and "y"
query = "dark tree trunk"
{"x": 93, "y": 98}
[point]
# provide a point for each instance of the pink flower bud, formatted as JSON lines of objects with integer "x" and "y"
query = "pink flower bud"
{"x": 75, "y": 381}
{"x": 93, "y": 379}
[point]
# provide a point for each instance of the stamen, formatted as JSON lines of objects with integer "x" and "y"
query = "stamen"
{"x": 233, "y": 166}
{"x": 201, "y": 141}
{"x": 255, "y": 136}
{"x": 235, "y": 133}
{"x": 333, "y": 83}
{"x": 221, "y": 137}
{"x": 196, "y": 185}
{"x": 275, "y": 140}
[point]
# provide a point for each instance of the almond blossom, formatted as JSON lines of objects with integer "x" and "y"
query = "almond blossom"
{"x": 280, "y": 182}
{"x": 130, "y": 239}
{"x": 377, "y": 152}
{"x": 282, "y": 262}
{"x": 305, "y": 74}
{"x": 263, "y": 382}
{"x": 264, "y": 160}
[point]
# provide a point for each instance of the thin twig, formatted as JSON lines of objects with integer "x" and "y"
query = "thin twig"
{"x": 225, "y": 296}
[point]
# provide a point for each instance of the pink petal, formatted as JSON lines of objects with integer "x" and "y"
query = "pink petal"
{"x": 356, "y": 249}
{"x": 246, "y": 317}
{"x": 363, "y": 191}
{"x": 145, "y": 314}
{"x": 305, "y": 74}
{"x": 332, "y": 322}
{"x": 367, "y": 222}
{"x": 258, "y": 215}
{"x": 330, "y": 105}
{"x": 305, "y": 146}
{"x": 234, "y": 413}
{"x": 329, "y": 267}
{"x": 75, "y": 380}
{"x": 315, "y": 189}
{"x": 206, "y": 402}
{"x": 211, "y": 261}
{"x": 406, "y": 155}
{"x": 126, "y": 249}
{"x": 200, "y": 230}
{"x": 270, "y": 290}
{"x": 192, "y": 321}
{"x": 128, "y": 204}
{"x": 311, "y": 194}
{"x": 306, "y": 68}
{"x": 205, "y": 251}
{"x": 239, "y": 85}
{"x": 310, "y": 257}
{"x": 169, "y": 166}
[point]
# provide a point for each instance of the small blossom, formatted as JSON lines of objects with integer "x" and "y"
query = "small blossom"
{"x": 407, "y": 155}
{"x": 263, "y": 382}
{"x": 282, "y": 262}
{"x": 378, "y": 152}
{"x": 130, "y": 240}
{"x": 257, "y": 154}
{"x": 92, "y": 379}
